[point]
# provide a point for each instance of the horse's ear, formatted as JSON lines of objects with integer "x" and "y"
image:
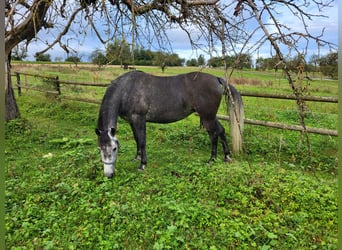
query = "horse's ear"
{"x": 112, "y": 132}
{"x": 97, "y": 131}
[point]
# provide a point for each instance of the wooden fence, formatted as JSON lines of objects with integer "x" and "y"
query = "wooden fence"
{"x": 56, "y": 82}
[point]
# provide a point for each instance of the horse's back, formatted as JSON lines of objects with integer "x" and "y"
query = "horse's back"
{"x": 168, "y": 98}
{"x": 200, "y": 83}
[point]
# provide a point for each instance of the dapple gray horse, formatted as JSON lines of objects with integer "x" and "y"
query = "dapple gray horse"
{"x": 139, "y": 97}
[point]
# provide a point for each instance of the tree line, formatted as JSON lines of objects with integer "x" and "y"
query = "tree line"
{"x": 120, "y": 53}
{"x": 327, "y": 65}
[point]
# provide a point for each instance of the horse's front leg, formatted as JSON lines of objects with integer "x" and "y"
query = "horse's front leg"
{"x": 138, "y": 155}
{"x": 139, "y": 130}
{"x": 143, "y": 160}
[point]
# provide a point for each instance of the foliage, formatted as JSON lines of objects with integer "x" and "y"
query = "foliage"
{"x": 192, "y": 62}
{"x": 19, "y": 53}
{"x": 272, "y": 197}
{"x": 242, "y": 61}
{"x": 43, "y": 58}
{"x": 200, "y": 61}
{"x": 97, "y": 57}
{"x": 169, "y": 59}
{"x": 329, "y": 65}
{"x": 74, "y": 59}
{"x": 120, "y": 53}
{"x": 326, "y": 64}
{"x": 266, "y": 63}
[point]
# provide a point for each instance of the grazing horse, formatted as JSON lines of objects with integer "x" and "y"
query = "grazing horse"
{"x": 139, "y": 97}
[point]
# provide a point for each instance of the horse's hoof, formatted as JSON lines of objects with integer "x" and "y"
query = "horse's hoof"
{"x": 228, "y": 159}
{"x": 210, "y": 162}
{"x": 137, "y": 158}
{"x": 142, "y": 167}
{"x": 110, "y": 176}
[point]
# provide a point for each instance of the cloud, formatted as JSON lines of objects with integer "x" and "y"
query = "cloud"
{"x": 180, "y": 43}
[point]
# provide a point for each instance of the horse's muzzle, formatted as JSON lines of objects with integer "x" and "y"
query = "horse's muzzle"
{"x": 110, "y": 176}
{"x": 108, "y": 170}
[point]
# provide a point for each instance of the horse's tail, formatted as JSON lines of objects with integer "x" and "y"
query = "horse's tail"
{"x": 236, "y": 115}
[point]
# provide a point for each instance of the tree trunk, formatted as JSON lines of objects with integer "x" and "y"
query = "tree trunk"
{"x": 25, "y": 30}
{"x": 12, "y": 110}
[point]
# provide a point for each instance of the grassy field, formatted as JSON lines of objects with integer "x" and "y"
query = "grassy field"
{"x": 274, "y": 196}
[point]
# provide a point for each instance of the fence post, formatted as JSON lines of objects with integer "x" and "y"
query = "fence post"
{"x": 18, "y": 83}
{"x": 57, "y": 85}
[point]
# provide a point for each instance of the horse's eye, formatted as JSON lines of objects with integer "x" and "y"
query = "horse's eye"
{"x": 114, "y": 149}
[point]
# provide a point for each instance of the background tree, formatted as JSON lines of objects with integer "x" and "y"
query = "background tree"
{"x": 43, "y": 58}
{"x": 236, "y": 61}
{"x": 314, "y": 62}
{"x": 119, "y": 52}
{"x": 329, "y": 65}
{"x": 98, "y": 57}
{"x": 143, "y": 57}
{"x": 192, "y": 62}
{"x": 74, "y": 59}
{"x": 215, "y": 62}
{"x": 242, "y": 61}
{"x": 208, "y": 24}
{"x": 201, "y": 60}
{"x": 261, "y": 63}
{"x": 19, "y": 53}
{"x": 174, "y": 60}
{"x": 267, "y": 63}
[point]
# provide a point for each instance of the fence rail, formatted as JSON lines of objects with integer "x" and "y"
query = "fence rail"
{"x": 56, "y": 81}
{"x": 321, "y": 131}
{"x": 290, "y": 97}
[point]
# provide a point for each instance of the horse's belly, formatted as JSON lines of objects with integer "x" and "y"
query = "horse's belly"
{"x": 168, "y": 114}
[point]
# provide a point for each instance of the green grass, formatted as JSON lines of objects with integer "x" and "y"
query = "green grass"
{"x": 271, "y": 197}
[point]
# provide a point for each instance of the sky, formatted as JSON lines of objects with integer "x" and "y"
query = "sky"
{"x": 181, "y": 45}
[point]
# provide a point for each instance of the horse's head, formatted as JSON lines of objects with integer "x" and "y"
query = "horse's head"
{"x": 109, "y": 147}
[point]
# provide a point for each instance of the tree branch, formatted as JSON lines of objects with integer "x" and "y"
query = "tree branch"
{"x": 61, "y": 34}
{"x": 27, "y": 29}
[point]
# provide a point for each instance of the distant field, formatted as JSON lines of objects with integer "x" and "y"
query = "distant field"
{"x": 273, "y": 196}
{"x": 246, "y": 80}
{"x": 264, "y": 80}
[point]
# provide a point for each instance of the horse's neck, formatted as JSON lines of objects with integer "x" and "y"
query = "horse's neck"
{"x": 108, "y": 115}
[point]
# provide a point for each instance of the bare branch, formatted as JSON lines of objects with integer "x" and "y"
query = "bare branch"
{"x": 296, "y": 84}
{"x": 201, "y": 2}
{"x": 61, "y": 34}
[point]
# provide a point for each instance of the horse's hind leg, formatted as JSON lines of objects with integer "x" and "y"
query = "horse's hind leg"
{"x": 223, "y": 137}
{"x": 212, "y": 129}
{"x": 215, "y": 130}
